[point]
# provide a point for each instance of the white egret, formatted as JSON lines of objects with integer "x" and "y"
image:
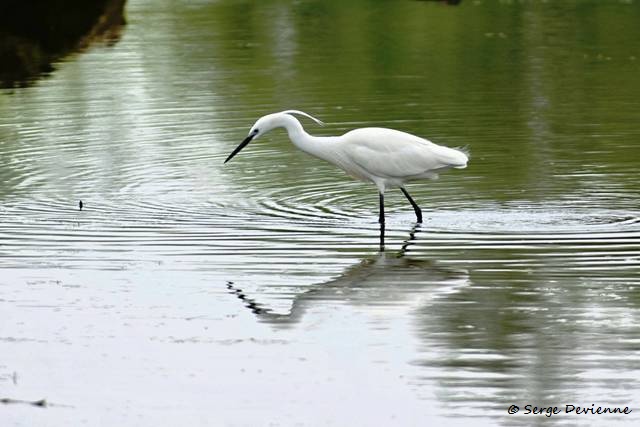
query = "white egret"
{"x": 388, "y": 158}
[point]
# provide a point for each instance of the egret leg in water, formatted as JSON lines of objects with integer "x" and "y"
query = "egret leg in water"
{"x": 416, "y": 208}
{"x": 386, "y": 157}
{"x": 381, "y": 221}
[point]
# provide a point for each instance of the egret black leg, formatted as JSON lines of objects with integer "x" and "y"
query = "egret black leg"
{"x": 381, "y": 221}
{"x": 381, "y": 218}
{"x": 416, "y": 208}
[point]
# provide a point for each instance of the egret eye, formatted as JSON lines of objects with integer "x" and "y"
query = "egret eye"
{"x": 255, "y": 131}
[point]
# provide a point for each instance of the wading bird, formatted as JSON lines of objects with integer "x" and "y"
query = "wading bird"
{"x": 388, "y": 158}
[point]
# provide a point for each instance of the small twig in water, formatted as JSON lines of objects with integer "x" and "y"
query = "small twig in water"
{"x": 42, "y": 402}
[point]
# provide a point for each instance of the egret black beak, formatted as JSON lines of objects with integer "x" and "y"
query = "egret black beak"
{"x": 240, "y": 147}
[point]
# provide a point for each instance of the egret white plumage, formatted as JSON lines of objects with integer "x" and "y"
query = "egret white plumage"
{"x": 388, "y": 158}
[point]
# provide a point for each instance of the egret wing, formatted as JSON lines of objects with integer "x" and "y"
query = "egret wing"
{"x": 394, "y": 154}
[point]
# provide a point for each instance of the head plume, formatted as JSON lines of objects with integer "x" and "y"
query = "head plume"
{"x": 302, "y": 113}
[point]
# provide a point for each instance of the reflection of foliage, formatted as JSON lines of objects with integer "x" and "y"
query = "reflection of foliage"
{"x": 517, "y": 81}
{"x": 35, "y": 34}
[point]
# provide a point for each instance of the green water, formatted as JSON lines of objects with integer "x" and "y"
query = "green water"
{"x": 188, "y": 292}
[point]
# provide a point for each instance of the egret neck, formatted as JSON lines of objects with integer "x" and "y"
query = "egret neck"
{"x": 317, "y": 146}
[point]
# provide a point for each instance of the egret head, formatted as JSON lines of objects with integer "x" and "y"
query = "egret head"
{"x": 267, "y": 123}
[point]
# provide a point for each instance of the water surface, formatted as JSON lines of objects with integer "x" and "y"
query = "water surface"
{"x": 188, "y": 292}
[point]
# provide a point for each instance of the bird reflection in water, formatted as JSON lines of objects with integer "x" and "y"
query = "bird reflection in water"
{"x": 387, "y": 278}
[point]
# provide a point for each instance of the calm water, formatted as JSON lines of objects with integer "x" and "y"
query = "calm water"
{"x": 188, "y": 292}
